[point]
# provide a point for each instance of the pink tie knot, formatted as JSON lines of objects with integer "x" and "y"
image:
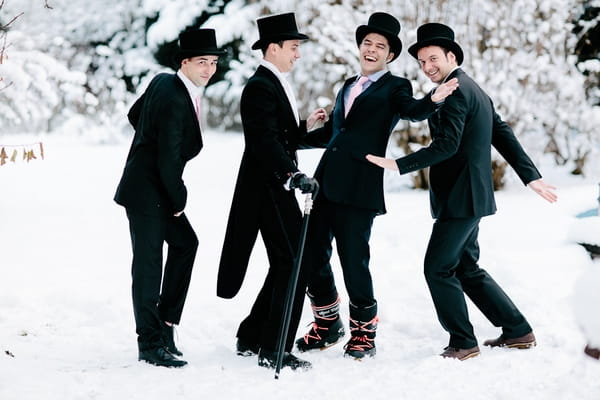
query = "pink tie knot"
{"x": 355, "y": 91}
{"x": 362, "y": 80}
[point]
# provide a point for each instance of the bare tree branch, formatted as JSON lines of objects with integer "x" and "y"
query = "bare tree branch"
{"x": 4, "y": 28}
{"x": 3, "y": 31}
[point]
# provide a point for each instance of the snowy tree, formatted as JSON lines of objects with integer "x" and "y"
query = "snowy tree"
{"x": 86, "y": 61}
{"x": 519, "y": 51}
{"x": 587, "y": 49}
{"x": 72, "y": 62}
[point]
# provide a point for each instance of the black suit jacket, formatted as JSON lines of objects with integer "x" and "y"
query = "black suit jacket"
{"x": 167, "y": 135}
{"x": 271, "y": 139}
{"x": 459, "y": 155}
{"x": 345, "y": 175}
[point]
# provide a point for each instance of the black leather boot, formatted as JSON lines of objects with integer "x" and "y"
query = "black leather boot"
{"x": 160, "y": 356}
{"x": 167, "y": 335}
{"x": 268, "y": 359}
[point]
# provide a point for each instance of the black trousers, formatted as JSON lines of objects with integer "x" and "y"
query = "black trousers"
{"x": 280, "y": 224}
{"x": 351, "y": 228}
{"x": 451, "y": 269}
{"x": 151, "y": 304}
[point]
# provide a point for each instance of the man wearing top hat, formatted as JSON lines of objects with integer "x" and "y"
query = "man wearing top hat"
{"x": 264, "y": 199}
{"x": 166, "y": 119}
{"x": 366, "y": 110}
{"x": 461, "y": 193}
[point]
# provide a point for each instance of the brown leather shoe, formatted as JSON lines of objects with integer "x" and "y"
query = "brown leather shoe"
{"x": 592, "y": 352}
{"x": 460, "y": 354}
{"x": 522, "y": 342}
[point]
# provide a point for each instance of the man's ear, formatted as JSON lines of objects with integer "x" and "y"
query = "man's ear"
{"x": 451, "y": 56}
{"x": 390, "y": 56}
{"x": 270, "y": 48}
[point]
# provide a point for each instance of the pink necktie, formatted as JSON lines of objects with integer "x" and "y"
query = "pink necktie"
{"x": 355, "y": 91}
{"x": 197, "y": 102}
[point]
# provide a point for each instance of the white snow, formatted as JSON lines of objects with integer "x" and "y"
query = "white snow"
{"x": 66, "y": 318}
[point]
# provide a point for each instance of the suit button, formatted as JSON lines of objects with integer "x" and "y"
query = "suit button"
{"x": 334, "y": 149}
{"x": 343, "y": 130}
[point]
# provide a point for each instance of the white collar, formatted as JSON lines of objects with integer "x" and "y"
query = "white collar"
{"x": 192, "y": 89}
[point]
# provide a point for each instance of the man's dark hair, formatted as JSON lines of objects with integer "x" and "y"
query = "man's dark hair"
{"x": 266, "y": 46}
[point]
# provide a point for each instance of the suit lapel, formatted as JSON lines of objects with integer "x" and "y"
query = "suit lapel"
{"x": 281, "y": 91}
{"x": 191, "y": 108}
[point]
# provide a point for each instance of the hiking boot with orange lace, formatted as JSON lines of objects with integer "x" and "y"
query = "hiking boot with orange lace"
{"x": 362, "y": 341}
{"x": 322, "y": 334}
{"x": 327, "y": 329}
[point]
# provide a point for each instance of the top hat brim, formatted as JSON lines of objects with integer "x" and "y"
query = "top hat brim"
{"x": 277, "y": 38}
{"x": 183, "y": 53}
{"x": 393, "y": 40}
{"x": 438, "y": 41}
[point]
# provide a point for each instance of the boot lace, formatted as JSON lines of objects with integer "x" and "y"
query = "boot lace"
{"x": 313, "y": 333}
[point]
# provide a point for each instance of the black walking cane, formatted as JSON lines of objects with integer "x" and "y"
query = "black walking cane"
{"x": 291, "y": 290}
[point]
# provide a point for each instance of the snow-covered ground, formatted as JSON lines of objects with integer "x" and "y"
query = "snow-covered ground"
{"x": 66, "y": 321}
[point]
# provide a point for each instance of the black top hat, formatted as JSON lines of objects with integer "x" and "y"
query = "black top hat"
{"x": 197, "y": 42}
{"x": 386, "y": 25}
{"x": 434, "y": 34}
{"x": 275, "y": 28}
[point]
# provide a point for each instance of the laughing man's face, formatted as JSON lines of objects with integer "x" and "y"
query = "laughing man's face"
{"x": 374, "y": 53}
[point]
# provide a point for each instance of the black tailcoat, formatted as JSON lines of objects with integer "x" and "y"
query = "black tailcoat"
{"x": 271, "y": 137}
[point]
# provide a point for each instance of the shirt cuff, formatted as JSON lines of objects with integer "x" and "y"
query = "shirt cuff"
{"x": 287, "y": 183}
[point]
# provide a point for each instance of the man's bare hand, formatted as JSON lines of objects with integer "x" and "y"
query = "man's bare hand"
{"x": 544, "y": 190}
{"x": 387, "y": 163}
{"x": 319, "y": 115}
{"x": 444, "y": 90}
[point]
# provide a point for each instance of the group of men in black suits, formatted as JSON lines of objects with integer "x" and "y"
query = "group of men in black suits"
{"x": 349, "y": 179}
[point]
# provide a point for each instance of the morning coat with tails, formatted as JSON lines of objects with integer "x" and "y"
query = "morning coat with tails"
{"x": 268, "y": 159}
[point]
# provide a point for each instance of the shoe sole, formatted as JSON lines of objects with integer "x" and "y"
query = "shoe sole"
{"x": 246, "y": 353}
{"x": 324, "y": 347}
{"x": 475, "y": 354}
{"x": 156, "y": 364}
{"x": 521, "y": 346}
{"x": 366, "y": 356}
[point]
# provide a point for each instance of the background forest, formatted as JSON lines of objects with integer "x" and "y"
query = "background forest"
{"x": 67, "y": 64}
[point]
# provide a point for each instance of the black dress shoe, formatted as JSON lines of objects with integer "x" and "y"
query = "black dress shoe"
{"x": 268, "y": 359}
{"x": 160, "y": 356}
{"x": 167, "y": 334}
{"x": 245, "y": 349}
